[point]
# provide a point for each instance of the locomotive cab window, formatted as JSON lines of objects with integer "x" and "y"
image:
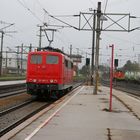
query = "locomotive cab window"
{"x": 52, "y": 59}
{"x": 36, "y": 59}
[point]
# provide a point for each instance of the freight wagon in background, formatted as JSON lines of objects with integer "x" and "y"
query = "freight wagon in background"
{"x": 49, "y": 73}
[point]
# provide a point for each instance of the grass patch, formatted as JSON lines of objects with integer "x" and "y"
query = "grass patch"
{"x": 12, "y": 77}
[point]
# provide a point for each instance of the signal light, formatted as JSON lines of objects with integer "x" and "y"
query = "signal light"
{"x": 116, "y": 62}
{"x": 87, "y": 61}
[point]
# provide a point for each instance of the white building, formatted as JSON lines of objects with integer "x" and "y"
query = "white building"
{"x": 14, "y": 65}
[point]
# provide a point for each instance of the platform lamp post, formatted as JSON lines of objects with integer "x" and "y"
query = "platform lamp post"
{"x": 111, "y": 76}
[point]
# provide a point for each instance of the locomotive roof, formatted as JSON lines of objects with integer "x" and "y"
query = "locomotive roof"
{"x": 50, "y": 49}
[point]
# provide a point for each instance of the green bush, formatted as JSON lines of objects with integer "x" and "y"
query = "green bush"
{"x": 12, "y": 77}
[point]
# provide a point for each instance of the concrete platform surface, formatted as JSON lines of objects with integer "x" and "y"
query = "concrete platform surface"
{"x": 85, "y": 117}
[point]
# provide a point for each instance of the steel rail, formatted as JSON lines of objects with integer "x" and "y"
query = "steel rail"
{"x": 21, "y": 120}
{"x": 13, "y": 108}
{"x": 30, "y": 114}
{"x": 129, "y": 89}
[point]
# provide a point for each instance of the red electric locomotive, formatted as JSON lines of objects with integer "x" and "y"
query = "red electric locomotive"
{"x": 49, "y": 73}
{"x": 118, "y": 74}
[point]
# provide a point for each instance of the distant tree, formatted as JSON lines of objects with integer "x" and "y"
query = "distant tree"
{"x": 84, "y": 70}
{"x": 131, "y": 67}
{"x": 136, "y": 67}
{"x": 104, "y": 71}
{"x": 103, "y": 68}
{"x": 128, "y": 66}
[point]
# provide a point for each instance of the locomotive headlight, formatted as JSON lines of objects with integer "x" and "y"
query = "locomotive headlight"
{"x": 51, "y": 81}
{"x": 34, "y": 80}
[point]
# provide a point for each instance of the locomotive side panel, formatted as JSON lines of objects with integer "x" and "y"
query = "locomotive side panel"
{"x": 68, "y": 72}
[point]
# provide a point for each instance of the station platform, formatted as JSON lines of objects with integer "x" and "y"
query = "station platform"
{"x": 86, "y": 117}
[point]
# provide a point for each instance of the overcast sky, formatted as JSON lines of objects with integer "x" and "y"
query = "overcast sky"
{"x": 27, "y": 14}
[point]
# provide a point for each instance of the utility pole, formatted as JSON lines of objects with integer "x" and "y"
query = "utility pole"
{"x": 1, "y": 50}
{"x": 98, "y": 31}
{"x": 77, "y": 61}
{"x": 70, "y": 51}
{"x": 2, "y": 36}
{"x": 30, "y": 48}
{"x": 21, "y": 61}
{"x": 63, "y": 49}
{"x": 93, "y": 44}
{"x": 6, "y": 62}
{"x": 18, "y": 66}
{"x": 21, "y": 52}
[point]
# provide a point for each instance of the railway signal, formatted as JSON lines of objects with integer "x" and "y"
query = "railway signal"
{"x": 87, "y": 61}
{"x": 116, "y": 63}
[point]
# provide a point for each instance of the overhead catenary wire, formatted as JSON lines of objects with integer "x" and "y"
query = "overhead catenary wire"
{"x": 95, "y": 7}
{"x": 61, "y": 20}
{"x": 105, "y": 6}
{"x": 55, "y": 17}
{"x": 27, "y": 8}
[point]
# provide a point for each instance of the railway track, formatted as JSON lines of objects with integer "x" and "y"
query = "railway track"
{"x": 10, "y": 90}
{"x": 15, "y": 115}
{"x": 133, "y": 90}
{"x": 15, "y": 107}
{"x": 13, "y": 118}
